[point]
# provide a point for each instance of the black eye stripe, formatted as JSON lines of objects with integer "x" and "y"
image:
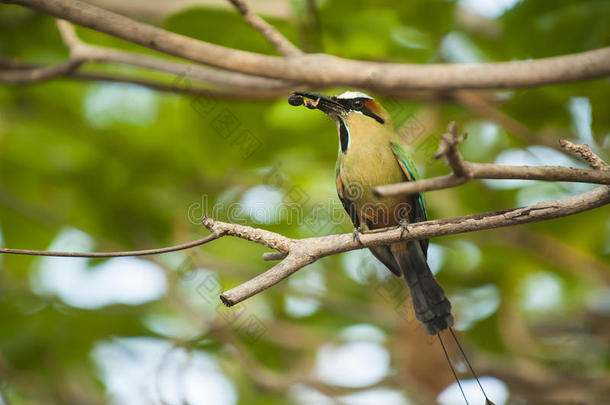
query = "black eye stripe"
{"x": 349, "y": 105}
{"x": 371, "y": 114}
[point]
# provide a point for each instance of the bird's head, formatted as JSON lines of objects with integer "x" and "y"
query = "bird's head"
{"x": 354, "y": 112}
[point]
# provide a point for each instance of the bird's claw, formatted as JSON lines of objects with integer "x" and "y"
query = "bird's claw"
{"x": 356, "y": 235}
{"x": 404, "y": 227}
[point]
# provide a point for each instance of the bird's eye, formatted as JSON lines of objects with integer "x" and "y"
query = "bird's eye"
{"x": 357, "y": 104}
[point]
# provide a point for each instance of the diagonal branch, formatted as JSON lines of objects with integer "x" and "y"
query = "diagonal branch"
{"x": 93, "y": 53}
{"x": 279, "y": 42}
{"x": 326, "y": 70}
{"x": 448, "y": 149}
{"x": 586, "y": 153}
{"x": 464, "y": 171}
{"x": 307, "y": 251}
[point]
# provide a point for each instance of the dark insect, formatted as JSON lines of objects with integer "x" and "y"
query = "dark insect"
{"x": 295, "y": 100}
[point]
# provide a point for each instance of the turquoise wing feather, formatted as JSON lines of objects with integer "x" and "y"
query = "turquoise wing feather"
{"x": 410, "y": 171}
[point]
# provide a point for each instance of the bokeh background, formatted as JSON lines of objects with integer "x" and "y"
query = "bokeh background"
{"x": 93, "y": 166}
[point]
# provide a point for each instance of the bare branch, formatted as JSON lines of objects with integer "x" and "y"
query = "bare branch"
{"x": 267, "y": 238}
{"x": 306, "y": 251}
{"x": 23, "y": 75}
{"x": 180, "y": 86}
{"x": 586, "y": 153}
{"x": 272, "y": 256}
{"x": 499, "y": 172}
{"x": 157, "y": 11}
{"x": 68, "y": 34}
{"x": 148, "y": 252}
{"x": 464, "y": 171}
{"x": 449, "y": 151}
{"x": 184, "y": 70}
{"x": 241, "y": 94}
{"x": 279, "y": 42}
{"x": 325, "y": 70}
{"x": 93, "y": 53}
{"x": 270, "y": 91}
{"x": 292, "y": 263}
{"x": 80, "y": 52}
{"x": 40, "y": 73}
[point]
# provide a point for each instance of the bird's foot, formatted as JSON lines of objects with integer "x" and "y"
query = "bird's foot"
{"x": 404, "y": 227}
{"x": 356, "y": 234}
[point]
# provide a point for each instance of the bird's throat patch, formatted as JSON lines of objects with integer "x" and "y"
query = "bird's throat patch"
{"x": 343, "y": 135}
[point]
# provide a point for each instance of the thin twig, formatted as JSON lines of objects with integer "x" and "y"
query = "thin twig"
{"x": 38, "y": 74}
{"x": 448, "y": 149}
{"x": 147, "y": 252}
{"x": 586, "y": 153}
{"x": 183, "y": 87}
{"x": 275, "y": 38}
{"x": 177, "y": 86}
{"x": 68, "y": 34}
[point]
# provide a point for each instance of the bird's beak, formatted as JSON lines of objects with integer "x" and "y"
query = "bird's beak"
{"x": 322, "y": 102}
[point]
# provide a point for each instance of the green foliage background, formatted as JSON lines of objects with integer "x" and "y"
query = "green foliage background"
{"x": 126, "y": 169}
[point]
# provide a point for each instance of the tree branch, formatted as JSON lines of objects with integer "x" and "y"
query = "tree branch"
{"x": 241, "y": 94}
{"x": 184, "y": 86}
{"x": 325, "y": 70}
{"x": 449, "y": 151}
{"x": 81, "y": 52}
{"x": 157, "y": 11}
{"x": 279, "y": 42}
{"x": 306, "y": 251}
{"x": 464, "y": 171}
{"x": 148, "y": 252}
{"x": 180, "y": 87}
{"x": 92, "y": 53}
{"x": 586, "y": 153}
{"x": 261, "y": 236}
{"x": 39, "y": 73}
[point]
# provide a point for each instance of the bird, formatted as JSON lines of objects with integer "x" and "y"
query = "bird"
{"x": 371, "y": 153}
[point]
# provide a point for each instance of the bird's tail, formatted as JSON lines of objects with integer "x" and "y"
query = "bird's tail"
{"x": 430, "y": 304}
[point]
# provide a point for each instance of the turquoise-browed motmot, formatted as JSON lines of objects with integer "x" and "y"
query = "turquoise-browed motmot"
{"x": 371, "y": 154}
